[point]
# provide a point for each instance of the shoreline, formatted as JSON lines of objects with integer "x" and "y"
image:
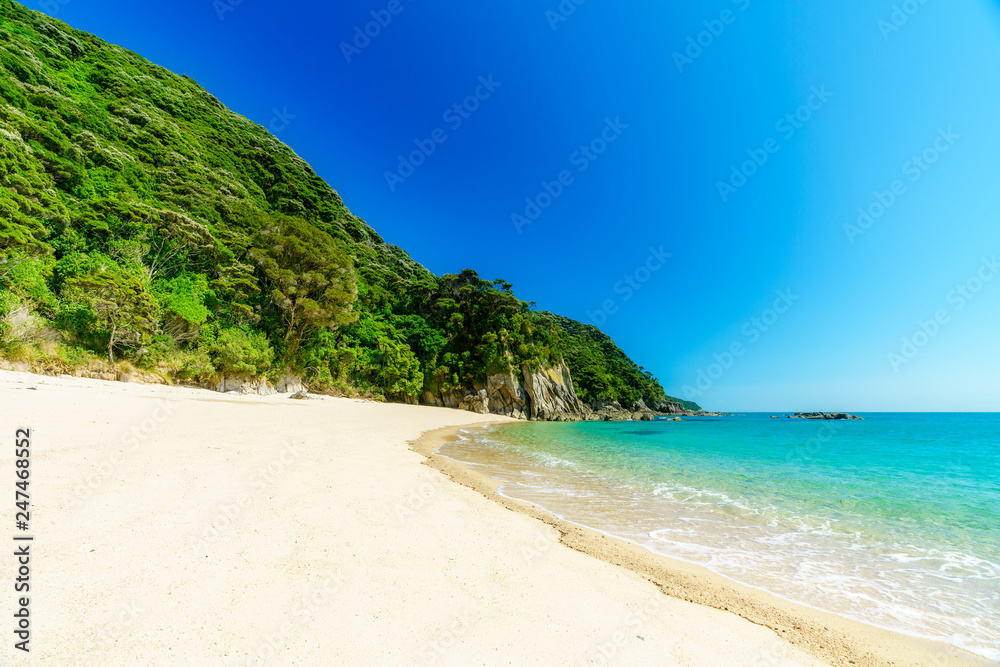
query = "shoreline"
{"x": 834, "y": 639}
{"x": 311, "y": 532}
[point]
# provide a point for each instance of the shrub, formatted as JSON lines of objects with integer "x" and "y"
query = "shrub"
{"x": 241, "y": 351}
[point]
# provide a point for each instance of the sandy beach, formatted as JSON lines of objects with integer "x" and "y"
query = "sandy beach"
{"x": 177, "y": 526}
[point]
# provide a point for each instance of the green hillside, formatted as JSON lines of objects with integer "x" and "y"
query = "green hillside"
{"x": 143, "y": 223}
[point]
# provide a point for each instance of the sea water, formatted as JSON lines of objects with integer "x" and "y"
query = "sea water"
{"x": 894, "y": 520}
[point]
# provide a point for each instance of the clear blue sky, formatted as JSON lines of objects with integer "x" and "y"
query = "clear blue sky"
{"x": 881, "y": 94}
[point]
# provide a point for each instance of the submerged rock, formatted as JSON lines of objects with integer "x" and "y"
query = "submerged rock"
{"x": 824, "y": 415}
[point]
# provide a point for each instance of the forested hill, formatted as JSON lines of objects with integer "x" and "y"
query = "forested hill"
{"x": 144, "y": 224}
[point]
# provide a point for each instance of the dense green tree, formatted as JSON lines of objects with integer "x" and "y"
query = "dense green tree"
{"x": 184, "y": 300}
{"x": 125, "y": 310}
{"x": 241, "y": 351}
{"x": 311, "y": 279}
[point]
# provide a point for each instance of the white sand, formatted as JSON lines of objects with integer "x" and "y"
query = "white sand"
{"x": 247, "y": 530}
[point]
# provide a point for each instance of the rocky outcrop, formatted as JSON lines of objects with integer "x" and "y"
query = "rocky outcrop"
{"x": 234, "y": 385}
{"x": 507, "y": 396}
{"x": 544, "y": 394}
{"x": 288, "y": 384}
{"x": 666, "y": 407}
{"x": 824, "y": 415}
{"x": 478, "y": 402}
{"x": 551, "y": 394}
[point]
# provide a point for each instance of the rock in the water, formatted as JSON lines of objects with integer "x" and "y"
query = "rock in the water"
{"x": 824, "y": 415}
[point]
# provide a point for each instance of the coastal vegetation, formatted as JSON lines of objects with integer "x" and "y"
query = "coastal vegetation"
{"x": 143, "y": 223}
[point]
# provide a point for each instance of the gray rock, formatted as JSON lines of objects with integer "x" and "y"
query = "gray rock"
{"x": 551, "y": 394}
{"x": 451, "y": 400}
{"x": 478, "y": 402}
{"x": 506, "y": 395}
{"x": 669, "y": 407}
{"x": 824, "y": 415}
{"x": 542, "y": 394}
{"x": 289, "y": 384}
{"x": 427, "y": 398}
{"x": 228, "y": 385}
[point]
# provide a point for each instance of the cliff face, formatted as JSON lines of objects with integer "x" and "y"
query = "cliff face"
{"x": 545, "y": 394}
{"x": 552, "y": 396}
{"x": 670, "y": 408}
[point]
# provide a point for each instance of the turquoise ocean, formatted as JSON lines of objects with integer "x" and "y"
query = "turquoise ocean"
{"x": 894, "y": 521}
